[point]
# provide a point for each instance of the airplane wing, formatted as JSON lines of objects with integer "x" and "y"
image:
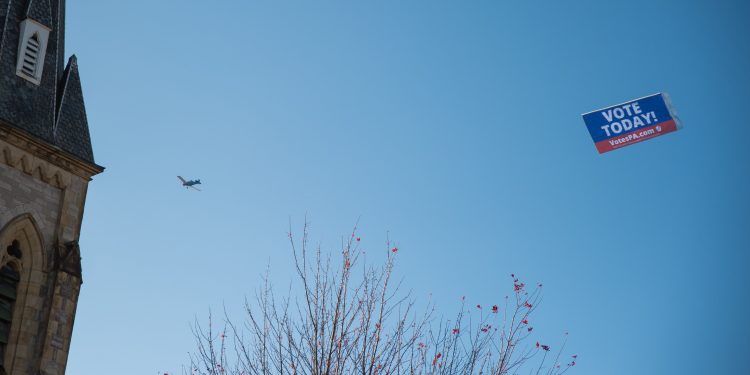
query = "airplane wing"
{"x": 191, "y": 186}
{"x": 182, "y": 179}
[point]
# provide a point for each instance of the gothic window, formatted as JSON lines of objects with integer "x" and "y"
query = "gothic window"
{"x": 9, "y": 278}
{"x": 20, "y": 261}
{"x": 31, "y": 56}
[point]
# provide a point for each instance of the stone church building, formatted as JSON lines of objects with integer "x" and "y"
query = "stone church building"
{"x": 46, "y": 163}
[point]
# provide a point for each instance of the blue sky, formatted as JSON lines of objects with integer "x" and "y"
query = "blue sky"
{"x": 454, "y": 128}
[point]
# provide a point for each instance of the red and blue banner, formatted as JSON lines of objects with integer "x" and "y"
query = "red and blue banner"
{"x": 631, "y": 122}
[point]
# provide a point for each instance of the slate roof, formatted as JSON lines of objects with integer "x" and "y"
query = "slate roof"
{"x": 72, "y": 128}
{"x": 40, "y": 11}
{"x": 53, "y": 111}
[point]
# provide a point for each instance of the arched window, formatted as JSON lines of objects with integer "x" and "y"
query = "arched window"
{"x": 21, "y": 260}
{"x": 9, "y": 278}
{"x": 31, "y": 56}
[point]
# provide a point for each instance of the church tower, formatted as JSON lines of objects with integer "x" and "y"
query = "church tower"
{"x": 46, "y": 163}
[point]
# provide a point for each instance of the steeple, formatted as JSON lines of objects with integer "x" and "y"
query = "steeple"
{"x": 71, "y": 128}
{"x": 39, "y": 95}
{"x": 46, "y": 164}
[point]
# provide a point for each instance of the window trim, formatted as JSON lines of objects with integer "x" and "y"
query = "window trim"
{"x": 22, "y": 228}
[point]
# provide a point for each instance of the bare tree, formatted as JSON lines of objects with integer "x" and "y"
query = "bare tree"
{"x": 350, "y": 318}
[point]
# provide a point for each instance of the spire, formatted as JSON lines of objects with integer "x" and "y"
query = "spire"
{"x": 40, "y": 11}
{"x": 71, "y": 128}
{"x": 51, "y": 110}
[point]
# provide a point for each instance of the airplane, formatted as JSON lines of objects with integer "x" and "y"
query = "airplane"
{"x": 189, "y": 184}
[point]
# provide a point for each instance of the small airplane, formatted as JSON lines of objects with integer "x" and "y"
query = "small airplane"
{"x": 189, "y": 184}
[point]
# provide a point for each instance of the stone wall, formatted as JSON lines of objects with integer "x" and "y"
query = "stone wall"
{"x": 41, "y": 202}
{"x": 23, "y": 194}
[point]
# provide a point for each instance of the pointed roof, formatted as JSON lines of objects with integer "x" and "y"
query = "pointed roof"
{"x": 71, "y": 128}
{"x": 40, "y": 11}
{"x": 25, "y": 106}
{"x": 53, "y": 111}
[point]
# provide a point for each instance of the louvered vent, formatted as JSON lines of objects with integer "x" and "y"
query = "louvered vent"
{"x": 31, "y": 56}
{"x": 32, "y": 48}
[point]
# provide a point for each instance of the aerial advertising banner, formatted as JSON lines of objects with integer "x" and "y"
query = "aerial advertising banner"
{"x": 631, "y": 122}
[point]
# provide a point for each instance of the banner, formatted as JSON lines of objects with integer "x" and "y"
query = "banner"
{"x": 632, "y": 122}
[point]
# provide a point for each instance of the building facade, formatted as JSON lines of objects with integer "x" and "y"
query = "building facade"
{"x": 46, "y": 163}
